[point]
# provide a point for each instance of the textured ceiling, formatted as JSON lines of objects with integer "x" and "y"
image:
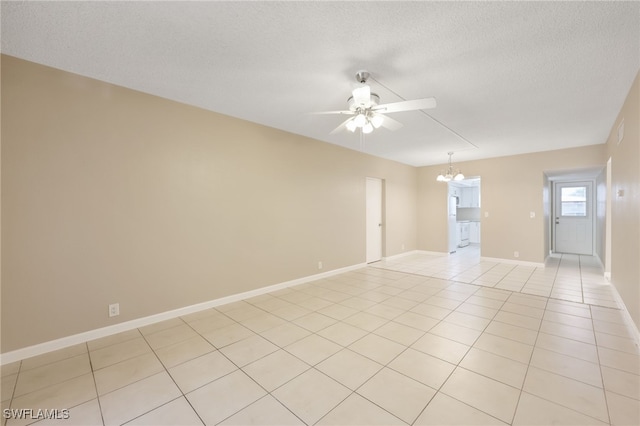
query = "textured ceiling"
{"x": 509, "y": 77}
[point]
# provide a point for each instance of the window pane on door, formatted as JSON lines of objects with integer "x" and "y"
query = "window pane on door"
{"x": 573, "y": 201}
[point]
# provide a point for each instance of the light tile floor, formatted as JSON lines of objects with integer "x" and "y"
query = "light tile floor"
{"x": 419, "y": 340}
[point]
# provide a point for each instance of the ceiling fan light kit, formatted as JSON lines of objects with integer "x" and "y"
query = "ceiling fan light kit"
{"x": 365, "y": 121}
{"x": 449, "y": 175}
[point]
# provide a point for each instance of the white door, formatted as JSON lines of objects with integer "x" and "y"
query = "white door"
{"x": 573, "y": 218}
{"x": 374, "y": 219}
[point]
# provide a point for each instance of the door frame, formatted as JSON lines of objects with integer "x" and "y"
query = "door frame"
{"x": 591, "y": 206}
{"x": 607, "y": 237}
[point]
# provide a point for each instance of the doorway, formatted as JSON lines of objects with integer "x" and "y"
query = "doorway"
{"x": 573, "y": 217}
{"x": 463, "y": 215}
{"x": 373, "y": 220}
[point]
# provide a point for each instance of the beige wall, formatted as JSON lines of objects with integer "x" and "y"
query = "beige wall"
{"x": 625, "y": 207}
{"x": 110, "y": 195}
{"x": 512, "y": 187}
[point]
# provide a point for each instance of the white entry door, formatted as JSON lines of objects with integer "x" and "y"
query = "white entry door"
{"x": 374, "y": 220}
{"x": 573, "y": 217}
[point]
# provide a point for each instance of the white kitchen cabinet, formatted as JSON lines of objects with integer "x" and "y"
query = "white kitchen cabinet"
{"x": 470, "y": 197}
{"x": 465, "y": 197}
{"x": 475, "y": 196}
{"x": 474, "y": 232}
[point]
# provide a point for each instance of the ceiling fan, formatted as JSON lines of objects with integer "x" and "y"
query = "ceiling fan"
{"x": 367, "y": 113}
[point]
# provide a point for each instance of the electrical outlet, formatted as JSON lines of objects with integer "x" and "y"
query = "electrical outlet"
{"x": 516, "y": 254}
{"x": 320, "y": 265}
{"x": 403, "y": 247}
{"x": 114, "y": 310}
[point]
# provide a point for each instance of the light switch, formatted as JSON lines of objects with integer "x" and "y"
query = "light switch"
{"x": 532, "y": 214}
{"x": 486, "y": 214}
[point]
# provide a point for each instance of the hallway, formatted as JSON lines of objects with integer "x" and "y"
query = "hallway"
{"x": 573, "y": 278}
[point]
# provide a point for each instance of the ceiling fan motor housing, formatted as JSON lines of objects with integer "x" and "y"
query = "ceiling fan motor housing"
{"x": 373, "y": 101}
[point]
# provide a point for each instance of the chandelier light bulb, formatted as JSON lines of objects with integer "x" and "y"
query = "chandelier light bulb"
{"x": 367, "y": 128}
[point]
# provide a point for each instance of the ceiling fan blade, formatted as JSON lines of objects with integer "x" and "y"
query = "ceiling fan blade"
{"x": 341, "y": 127}
{"x": 390, "y": 123}
{"x": 412, "y": 105}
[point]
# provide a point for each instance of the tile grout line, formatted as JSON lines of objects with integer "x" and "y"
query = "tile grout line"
{"x": 95, "y": 385}
{"x": 395, "y": 357}
{"x": 22, "y": 371}
{"x": 238, "y": 368}
{"x": 143, "y": 336}
{"x": 458, "y": 364}
{"x": 166, "y": 370}
{"x": 604, "y": 391}
{"x": 524, "y": 380}
{"x": 551, "y": 372}
{"x": 368, "y": 333}
{"x": 311, "y": 367}
{"x": 13, "y": 391}
{"x": 354, "y": 391}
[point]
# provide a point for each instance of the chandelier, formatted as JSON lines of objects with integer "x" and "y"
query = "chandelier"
{"x": 449, "y": 174}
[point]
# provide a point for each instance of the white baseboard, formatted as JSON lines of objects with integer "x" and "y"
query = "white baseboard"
{"x": 409, "y": 253}
{"x": 433, "y": 253}
{"x": 52, "y": 345}
{"x": 490, "y": 259}
{"x": 400, "y": 255}
{"x": 632, "y": 327}
{"x": 512, "y": 261}
{"x": 607, "y": 274}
